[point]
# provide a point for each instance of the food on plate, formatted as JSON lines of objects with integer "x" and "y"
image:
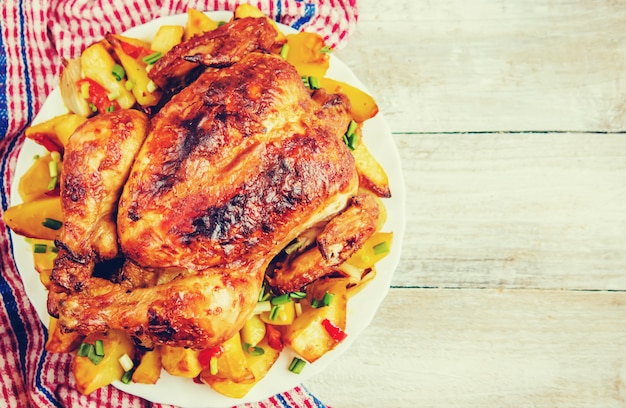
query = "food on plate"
{"x": 213, "y": 204}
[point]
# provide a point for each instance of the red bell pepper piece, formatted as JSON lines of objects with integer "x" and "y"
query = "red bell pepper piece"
{"x": 205, "y": 356}
{"x": 273, "y": 337}
{"x": 98, "y": 96}
{"x": 335, "y": 333}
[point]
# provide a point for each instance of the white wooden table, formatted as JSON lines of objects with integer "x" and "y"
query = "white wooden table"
{"x": 510, "y": 119}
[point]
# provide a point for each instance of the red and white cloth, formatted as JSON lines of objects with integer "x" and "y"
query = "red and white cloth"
{"x": 34, "y": 37}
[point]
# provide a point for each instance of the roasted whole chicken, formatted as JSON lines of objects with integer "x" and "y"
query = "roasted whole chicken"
{"x": 173, "y": 221}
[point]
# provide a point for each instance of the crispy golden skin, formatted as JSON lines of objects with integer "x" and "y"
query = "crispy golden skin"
{"x": 235, "y": 166}
{"x": 218, "y": 48}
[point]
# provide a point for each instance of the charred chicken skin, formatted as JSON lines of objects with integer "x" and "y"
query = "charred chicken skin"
{"x": 234, "y": 167}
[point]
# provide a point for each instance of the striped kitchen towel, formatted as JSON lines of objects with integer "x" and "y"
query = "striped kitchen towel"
{"x": 34, "y": 37}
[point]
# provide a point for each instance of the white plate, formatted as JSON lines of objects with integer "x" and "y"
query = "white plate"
{"x": 361, "y": 309}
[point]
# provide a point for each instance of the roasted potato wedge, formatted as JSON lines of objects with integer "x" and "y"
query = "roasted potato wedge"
{"x": 306, "y": 54}
{"x": 44, "y": 254}
{"x": 248, "y": 10}
{"x": 97, "y": 64}
{"x": 54, "y": 133}
{"x": 376, "y": 248}
{"x": 372, "y": 176}
{"x": 253, "y": 331}
{"x": 197, "y": 23}
{"x": 27, "y": 219}
{"x": 307, "y": 335}
{"x": 258, "y": 364}
{"x": 149, "y": 369}
{"x": 36, "y": 182}
{"x": 89, "y": 376}
{"x": 167, "y": 37}
{"x": 362, "y": 105}
{"x": 180, "y": 361}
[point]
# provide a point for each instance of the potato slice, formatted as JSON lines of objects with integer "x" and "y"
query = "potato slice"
{"x": 167, "y": 37}
{"x": 97, "y": 64}
{"x": 305, "y": 54}
{"x": 143, "y": 89}
{"x": 307, "y": 335}
{"x": 43, "y": 258}
{"x": 149, "y": 369}
{"x": 248, "y": 10}
{"x": 375, "y": 248}
{"x": 180, "y": 361}
{"x": 232, "y": 363}
{"x": 89, "y": 376}
{"x": 59, "y": 342}
{"x": 258, "y": 364}
{"x": 372, "y": 176}
{"x": 253, "y": 331}
{"x": 35, "y": 182}
{"x": 362, "y": 105}
{"x": 54, "y": 133}
{"x": 197, "y": 23}
{"x": 27, "y": 219}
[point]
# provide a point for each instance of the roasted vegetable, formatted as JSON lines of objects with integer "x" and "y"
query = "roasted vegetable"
{"x": 197, "y": 23}
{"x": 149, "y": 369}
{"x": 362, "y": 105}
{"x": 180, "y": 361}
{"x": 167, "y": 37}
{"x": 37, "y": 182}
{"x": 54, "y": 133}
{"x": 307, "y": 54}
{"x": 60, "y": 342}
{"x": 41, "y": 218}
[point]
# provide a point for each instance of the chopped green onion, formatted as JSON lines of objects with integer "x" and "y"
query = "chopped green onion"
{"x": 53, "y": 168}
{"x": 261, "y": 307}
{"x": 110, "y": 108}
{"x": 298, "y": 309}
{"x": 93, "y": 107}
{"x": 52, "y": 183}
{"x": 351, "y": 128}
{"x": 54, "y": 249}
{"x": 127, "y": 376}
{"x": 118, "y": 72}
{"x": 253, "y": 350}
{"x": 381, "y": 248}
{"x": 221, "y": 23}
{"x": 151, "y": 86}
{"x": 297, "y": 295}
{"x": 350, "y": 141}
{"x": 327, "y": 49}
{"x": 83, "y": 350}
{"x": 99, "y": 346}
{"x": 93, "y": 357}
{"x": 40, "y": 248}
{"x": 126, "y": 362}
{"x": 55, "y": 156}
{"x": 280, "y": 300}
{"x": 84, "y": 90}
{"x": 52, "y": 224}
{"x": 129, "y": 85}
{"x": 274, "y": 313}
{"x": 315, "y": 303}
{"x": 36, "y": 157}
{"x": 296, "y": 366}
{"x": 314, "y": 83}
{"x": 213, "y": 365}
{"x": 284, "y": 51}
{"x": 327, "y": 299}
{"x": 152, "y": 58}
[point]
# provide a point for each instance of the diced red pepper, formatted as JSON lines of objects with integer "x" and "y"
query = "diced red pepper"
{"x": 98, "y": 96}
{"x": 134, "y": 51}
{"x": 335, "y": 333}
{"x": 273, "y": 337}
{"x": 204, "y": 358}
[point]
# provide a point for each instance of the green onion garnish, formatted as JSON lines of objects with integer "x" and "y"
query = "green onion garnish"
{"x": 93, "y": 357}
{"x": 53, "y": 168}
{"x": 350, "y": 140}
{"x": 118, "y": 72}
{"x": 314, "y": 83}
{"x": 297, "y": 295}
{"x": 52, "y": 224}
{"x": 40, "y": 248}
{"x": 274, "y": 312}
{"x": 213, "y": 365}
{"x": 296, "y": 366}
{"x": 83, "y": 350}
{"x": 264, "y": 306}
{"x": 152, "y": 58}
{"x": 284, "y": 51}
{"x": 327, "y": 299}
{"x": 381, "y": 248}
{"x": 113, "y": 95}
{"x": 253, "y": 350}
{"x": 54, "y": 250}
{"x": 110, "y": 108}
{"x": 351, "y": 128}
{"x": 280, "y": 300}
{"x": 151, "y": 86}
{"x": 84, "y": 90}
{"x": 127, "y": 376}
{"x": 126, "y": 362}
{"x": 99, "y": 347}
{"x": 93, "y": 107}
{"x": 52, "y": 183}
{"x": 221, "y": 23}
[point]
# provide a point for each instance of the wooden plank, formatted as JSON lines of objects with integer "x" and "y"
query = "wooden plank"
{"x": 486, "y": 65}
{"x": 518, "y": 211}
{"x": 485, "y": 348}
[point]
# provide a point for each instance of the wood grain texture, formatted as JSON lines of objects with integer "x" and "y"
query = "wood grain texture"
{"x": 510, "y": 120}
{"x": 485, "y": 348}
{"x": 484, "y": 65}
